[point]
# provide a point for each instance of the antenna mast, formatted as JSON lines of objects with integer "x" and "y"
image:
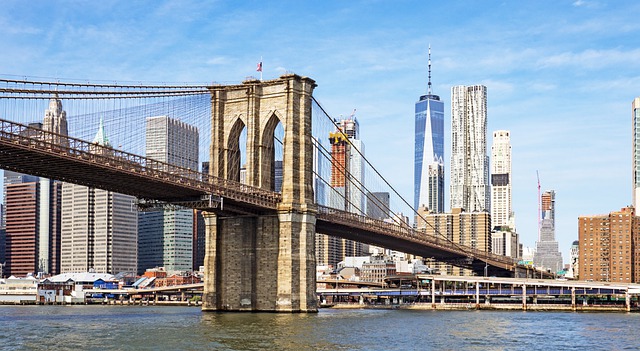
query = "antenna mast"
{"x": 429, "y": 88}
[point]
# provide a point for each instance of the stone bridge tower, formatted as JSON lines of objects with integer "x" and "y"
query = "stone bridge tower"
{"x": 265, "y": 261}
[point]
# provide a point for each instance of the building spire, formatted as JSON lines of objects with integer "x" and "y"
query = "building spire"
{"x": 429, "y": 88}
{"x": 101, "y": 136}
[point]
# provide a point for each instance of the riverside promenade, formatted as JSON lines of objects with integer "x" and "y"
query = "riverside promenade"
{"x": 439, "y": 292}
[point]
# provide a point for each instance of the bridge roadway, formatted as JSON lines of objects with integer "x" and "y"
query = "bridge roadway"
{"x": 33, "y": 151}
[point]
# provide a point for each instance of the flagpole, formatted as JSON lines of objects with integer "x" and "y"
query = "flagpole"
{"x": 261, "y": 68}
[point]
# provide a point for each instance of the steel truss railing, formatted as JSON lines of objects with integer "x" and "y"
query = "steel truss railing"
{"x": 405, "y": 232}
{"x": 86, "y": 152}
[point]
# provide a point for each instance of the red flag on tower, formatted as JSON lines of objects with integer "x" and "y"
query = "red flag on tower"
{"x": 259, "y": 68}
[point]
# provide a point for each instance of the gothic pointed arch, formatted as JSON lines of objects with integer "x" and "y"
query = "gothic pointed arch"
{"x": 268, "y": 151}
{"x": 233, "y": 153}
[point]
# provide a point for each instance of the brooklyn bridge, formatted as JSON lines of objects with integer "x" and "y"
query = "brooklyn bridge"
{"x": 260, "y": 253}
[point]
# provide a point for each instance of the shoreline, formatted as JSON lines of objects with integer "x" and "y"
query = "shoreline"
{"x": 109, "y": 303}
{"x": 484, "y": 307}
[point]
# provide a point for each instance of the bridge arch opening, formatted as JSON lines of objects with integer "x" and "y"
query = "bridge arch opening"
{"x": 272, "y": 161}
{"x": 236, "y": 153}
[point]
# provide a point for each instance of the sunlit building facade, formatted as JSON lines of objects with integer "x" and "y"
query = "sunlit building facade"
{"x": 609, "y": 247}
{"x": 469, "y": 161}
{"x": 472, "y": 229}
{"x": 635, "y": 113}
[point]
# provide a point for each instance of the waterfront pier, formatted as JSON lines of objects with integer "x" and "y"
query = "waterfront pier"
{"x": 438, "y": 292}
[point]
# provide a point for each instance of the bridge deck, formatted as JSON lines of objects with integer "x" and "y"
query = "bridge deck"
{"x": 29, "y": 150}
{"x": 34, "y": 151}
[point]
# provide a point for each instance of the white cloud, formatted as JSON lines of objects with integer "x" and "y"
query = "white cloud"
{"x": 591, "y": 58}
{"x": 542, "y": 87}
{"x": 218, "y": 60}
{"x": 585, "y": 3}
{"x": 497, "y": 87}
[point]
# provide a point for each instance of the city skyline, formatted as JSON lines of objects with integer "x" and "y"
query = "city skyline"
{"x": 560, "y": 75}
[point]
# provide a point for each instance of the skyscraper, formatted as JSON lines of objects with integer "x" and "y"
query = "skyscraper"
{"x": 347, "y": 190}
{"x": 378, "y": 205}
{"x": 22, "y": 228}
{"x": 33, "y": 238}
{"x": 504, "y": 238}
{"x": 469, "y": 161}
{"x": 347, "y": 170}
{"x": 429, "y": 151}
{"x": 50, "y": 195}
{"x": 199, "y": 231}
{"x": 99, "y": 227}
{"x": 635, "y": 117}
{"x": 501, "y": 210}
{"x": 172, "y": 141}
{"x": 166, "y": 236}
{"x": 547, "y": 255}
{"x": 55, "y": 121}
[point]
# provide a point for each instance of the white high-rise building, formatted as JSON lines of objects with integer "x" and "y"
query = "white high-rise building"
{"x": 166, "y": 236}
{"x": 99, "y": 228}
{"x": 469, "y": 161}
{"x": 172, "y": 141}
{"x": 55, "y": 120}
{"x": 505, "y": 240}
{"x": 501, "y": 207}
{"x": 635, "y": 115}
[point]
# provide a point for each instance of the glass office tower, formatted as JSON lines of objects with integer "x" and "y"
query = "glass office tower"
{"x": 429, "y": 151}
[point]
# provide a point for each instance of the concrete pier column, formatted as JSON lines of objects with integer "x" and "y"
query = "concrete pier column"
{"x": 627, "y": 301}
{"x": 433, "y": 294}
{"x": 573, "y": 298}
{"x": 524, "y": 297}
{"x": 209, "y": 294}
{"x": 477, "y": 295}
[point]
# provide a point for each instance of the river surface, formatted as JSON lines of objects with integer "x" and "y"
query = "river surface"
{"x": 187, "y": 328}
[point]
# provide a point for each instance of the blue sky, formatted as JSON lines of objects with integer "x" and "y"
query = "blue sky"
{"x": 561, "y": 75}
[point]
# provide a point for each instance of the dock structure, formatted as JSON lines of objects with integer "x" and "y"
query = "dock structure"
{"x": 426, "y": 291}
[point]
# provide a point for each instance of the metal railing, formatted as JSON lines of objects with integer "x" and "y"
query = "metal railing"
{"x": 404, "y": 232}
{"x": 82, "y": 151}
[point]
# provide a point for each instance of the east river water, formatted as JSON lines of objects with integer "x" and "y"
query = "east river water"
{"x": 187, "y": 328}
